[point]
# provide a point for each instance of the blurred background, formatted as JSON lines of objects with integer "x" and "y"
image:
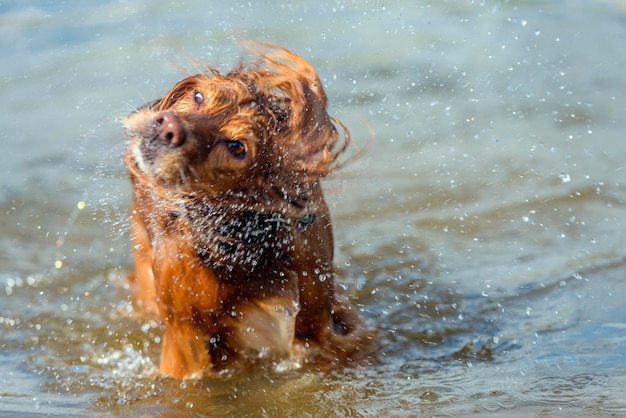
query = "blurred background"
{"x": 489, "y": 210}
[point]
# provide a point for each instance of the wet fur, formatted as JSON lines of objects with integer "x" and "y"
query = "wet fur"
{"x": 232, "y": 238}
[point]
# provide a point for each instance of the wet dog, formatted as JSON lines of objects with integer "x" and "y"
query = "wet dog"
{"x": 232, "y": 238}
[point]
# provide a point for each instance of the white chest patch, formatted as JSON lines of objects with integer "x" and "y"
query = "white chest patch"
{"x": 264, "y": 330}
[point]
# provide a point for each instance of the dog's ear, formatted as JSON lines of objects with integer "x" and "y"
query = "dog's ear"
{"x": 295, "y": 100}
{"x": 275, "y": 112}
{"x": 316, "y": 130}
{"x": 288, "y": 65}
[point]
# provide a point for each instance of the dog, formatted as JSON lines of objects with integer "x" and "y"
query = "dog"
{"x": 232, "y": 239}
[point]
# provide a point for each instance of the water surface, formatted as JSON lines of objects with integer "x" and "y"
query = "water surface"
{"x": 489, "y": 210}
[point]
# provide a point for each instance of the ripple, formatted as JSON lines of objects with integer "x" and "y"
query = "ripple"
{"x": 575, "y": 390}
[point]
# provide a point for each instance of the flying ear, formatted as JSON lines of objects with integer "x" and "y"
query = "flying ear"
{"x": 288, "y": 64}
{"x": 299, "y": 103}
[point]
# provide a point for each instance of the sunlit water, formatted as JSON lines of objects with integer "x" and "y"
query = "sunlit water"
{"x": 489, "y": 210}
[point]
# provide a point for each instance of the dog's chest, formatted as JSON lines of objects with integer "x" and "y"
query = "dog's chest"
{"x": 241, "y": 240}
{"x": 263, "y": 329}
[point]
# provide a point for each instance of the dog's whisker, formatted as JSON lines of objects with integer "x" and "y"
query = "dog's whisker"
{"x": 194, "y": 173}
{"x": 183, "y": 177}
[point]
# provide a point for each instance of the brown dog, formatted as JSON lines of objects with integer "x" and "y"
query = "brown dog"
{"x": 232, "y": 238}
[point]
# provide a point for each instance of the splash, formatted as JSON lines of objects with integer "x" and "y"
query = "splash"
{"x": 103, "y": 203}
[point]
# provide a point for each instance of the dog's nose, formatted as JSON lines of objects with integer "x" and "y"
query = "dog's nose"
{"x": 169, "y": 129}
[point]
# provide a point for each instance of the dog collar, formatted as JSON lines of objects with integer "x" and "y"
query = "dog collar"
{"x": 302, "y": 222}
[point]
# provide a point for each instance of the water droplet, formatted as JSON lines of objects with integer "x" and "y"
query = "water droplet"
{"x": 429, "y": 396}
{"x": 565, "y": 178}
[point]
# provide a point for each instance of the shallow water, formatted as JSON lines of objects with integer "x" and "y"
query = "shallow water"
{"x": 489, "y": 209}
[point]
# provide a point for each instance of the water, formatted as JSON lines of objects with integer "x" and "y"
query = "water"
{"x": 488, "y": 211}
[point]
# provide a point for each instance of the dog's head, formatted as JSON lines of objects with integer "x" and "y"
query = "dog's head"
{"x": 258, "y": 131}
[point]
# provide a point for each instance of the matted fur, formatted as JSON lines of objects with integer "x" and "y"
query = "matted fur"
{"x": 232, "y": 238}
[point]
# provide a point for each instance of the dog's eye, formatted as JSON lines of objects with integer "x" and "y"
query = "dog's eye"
{"x": 198, "y": 98}
{"x": 236, "y": 148}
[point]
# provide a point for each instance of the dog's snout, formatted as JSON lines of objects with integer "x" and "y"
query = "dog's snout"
{"x": 169, "y": 129}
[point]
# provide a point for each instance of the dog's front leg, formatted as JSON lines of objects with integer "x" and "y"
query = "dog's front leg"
{"x": 184, "y": 355}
